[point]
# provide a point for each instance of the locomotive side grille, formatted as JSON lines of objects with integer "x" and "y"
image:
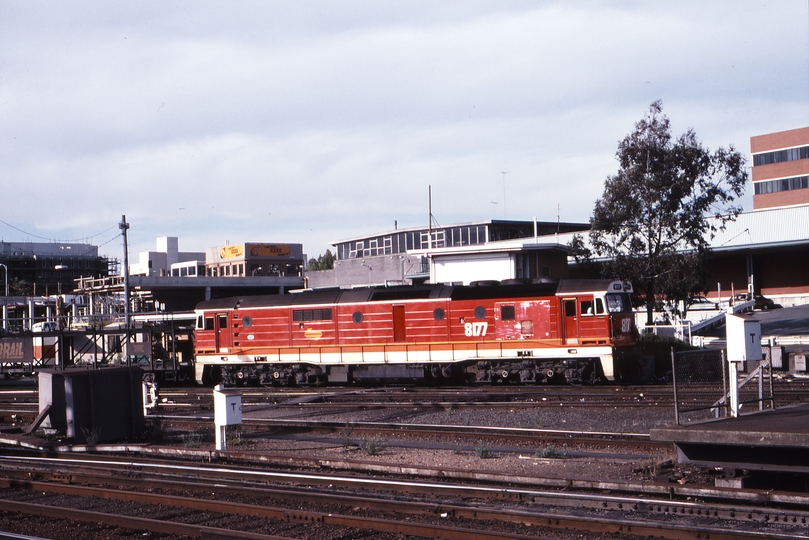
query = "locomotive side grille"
{"x": 301, "y": 315}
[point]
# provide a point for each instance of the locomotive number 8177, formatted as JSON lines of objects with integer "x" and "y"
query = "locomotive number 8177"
{"x": 551, "y": 331}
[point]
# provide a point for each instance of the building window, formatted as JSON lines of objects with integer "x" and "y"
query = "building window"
{"x": 355, "y": 249}
{"x": 782, "y": 184}
{"x": 779, "y": 156}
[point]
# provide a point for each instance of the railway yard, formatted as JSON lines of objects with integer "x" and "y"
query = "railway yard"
{"x": 396, "y": 462}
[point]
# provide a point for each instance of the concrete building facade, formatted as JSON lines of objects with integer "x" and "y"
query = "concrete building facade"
{"x": 158, "y": 263}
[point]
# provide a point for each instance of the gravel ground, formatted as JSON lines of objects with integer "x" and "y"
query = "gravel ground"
{"x": 468, "y": 453}
{"x": 532, "y": 459}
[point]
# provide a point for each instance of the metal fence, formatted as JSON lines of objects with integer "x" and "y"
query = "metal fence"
{"x": 700, "y": 381}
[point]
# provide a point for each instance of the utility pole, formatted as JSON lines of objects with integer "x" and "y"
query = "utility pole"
{"x": 124, "y": 226}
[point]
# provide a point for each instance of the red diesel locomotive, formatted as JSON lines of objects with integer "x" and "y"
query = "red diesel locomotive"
{"x": 568, "y": 330}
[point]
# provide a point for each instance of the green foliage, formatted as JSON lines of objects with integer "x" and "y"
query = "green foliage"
{"x": 92, "y": 435}
{"x": 660, "y": 346}
{"x": 484, "y": 451}
{"x": 373, "y": 445}
{"x": 201, "y": 435}
{"x": 193, "y": 439}
{"x": 551, "y": 452}
{"x": 656, "y": 216}
{"x": 20, "y": 287}
{"x": 234, "y": 436}
{"x": 323, "y": 262}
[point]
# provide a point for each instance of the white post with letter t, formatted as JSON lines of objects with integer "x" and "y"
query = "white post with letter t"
{"x": 744, "y": 345}
{"x": 227, "y": 406}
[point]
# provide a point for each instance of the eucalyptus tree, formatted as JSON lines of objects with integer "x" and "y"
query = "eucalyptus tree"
{"x": 654, "y": 221}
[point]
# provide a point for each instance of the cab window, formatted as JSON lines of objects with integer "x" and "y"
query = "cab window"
{"x": 617, "y": 303}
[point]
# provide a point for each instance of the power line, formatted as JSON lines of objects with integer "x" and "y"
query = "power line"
{"x": 54, "y": 239}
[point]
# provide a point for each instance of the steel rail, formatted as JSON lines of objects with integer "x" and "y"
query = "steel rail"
{"x": 600, "y": 524}
{"x": 556, "y": 498}
{"x": 129, "y": 522}
{"x": 525, "y": 434}
{"x": 664, "y": 504}
{"x": 225, "y": 507}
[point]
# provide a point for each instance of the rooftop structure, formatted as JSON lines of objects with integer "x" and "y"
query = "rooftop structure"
{"x": 410, "y": 255}
{"x": 474, "y": 233}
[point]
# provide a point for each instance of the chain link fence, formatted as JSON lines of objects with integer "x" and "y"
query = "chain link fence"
{"x": 700, "y": 381}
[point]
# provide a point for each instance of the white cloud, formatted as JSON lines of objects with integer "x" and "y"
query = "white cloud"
{"x": 314, "y": 121}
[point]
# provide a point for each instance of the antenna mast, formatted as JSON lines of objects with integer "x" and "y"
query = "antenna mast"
{"x": 430, "y": 220}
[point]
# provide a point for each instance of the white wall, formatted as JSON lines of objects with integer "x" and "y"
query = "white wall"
{"x": 465, "y": 269}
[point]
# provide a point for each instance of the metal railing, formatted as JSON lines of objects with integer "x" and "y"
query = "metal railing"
{"x": 700, "y": 385}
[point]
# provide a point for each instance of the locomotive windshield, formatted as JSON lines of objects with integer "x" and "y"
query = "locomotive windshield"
{"x": 618, "y": 303}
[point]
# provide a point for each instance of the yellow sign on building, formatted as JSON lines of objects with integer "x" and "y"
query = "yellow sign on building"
{"x": 239, "y": 251}
{"x": 231, "y": 252}
{"x": 268, "y": 250}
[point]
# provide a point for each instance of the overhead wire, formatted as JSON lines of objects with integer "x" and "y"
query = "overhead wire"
{"x": 57, "y": 240}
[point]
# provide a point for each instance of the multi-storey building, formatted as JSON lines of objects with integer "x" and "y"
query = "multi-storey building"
{"x": 780, "y": 168}
{"x": 40, "y": 269}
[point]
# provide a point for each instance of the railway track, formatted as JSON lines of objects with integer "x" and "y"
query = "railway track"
{"x": 267, "y": 491}
{"x": 245, "y": 502}
{"x": 286, "y": 428}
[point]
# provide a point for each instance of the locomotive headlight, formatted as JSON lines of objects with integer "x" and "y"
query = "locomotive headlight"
{"x": 572, "y": 351}
{"x": 251, "y": 337}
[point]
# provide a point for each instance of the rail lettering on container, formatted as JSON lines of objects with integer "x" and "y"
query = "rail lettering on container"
{"x": 16, "y": 350}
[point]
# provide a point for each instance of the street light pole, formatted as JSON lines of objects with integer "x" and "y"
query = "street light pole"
{"x": 6, "y": 272}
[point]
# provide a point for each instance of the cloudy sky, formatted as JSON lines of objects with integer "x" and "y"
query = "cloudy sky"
{"x": 311, "y": 122}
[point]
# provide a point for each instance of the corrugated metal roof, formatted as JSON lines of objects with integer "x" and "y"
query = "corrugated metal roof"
{"x": 765, "y": 228}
